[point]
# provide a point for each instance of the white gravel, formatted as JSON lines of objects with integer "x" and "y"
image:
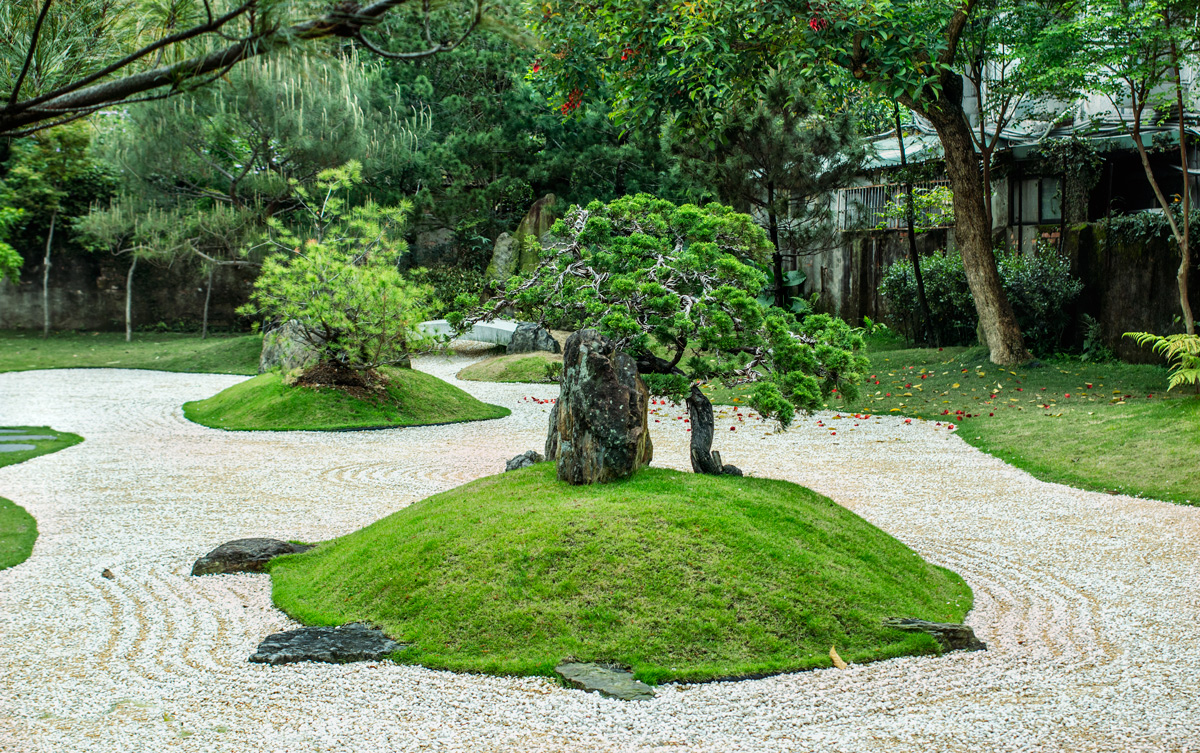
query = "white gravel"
{"x": 1088, "y": 601}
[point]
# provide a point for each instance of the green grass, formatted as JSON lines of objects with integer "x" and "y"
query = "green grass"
{"x": 519, "y": 367}
{"x": 265, "y": 403}
{"x": 1100, "y": 426}
{"x": 219, "y": 354}
{"x": 18, "y": 529}
{"x": 679, "y": 576}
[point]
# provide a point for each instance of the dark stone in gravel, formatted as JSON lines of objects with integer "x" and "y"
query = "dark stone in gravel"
{"x": 244, "y": 556}
{"x": 951, "y": 636}
{"x": 530, "y": 337}
{"x": 332, "y": 645}
{"x": 524, "y": 460}
{"x": 610, "y": 682}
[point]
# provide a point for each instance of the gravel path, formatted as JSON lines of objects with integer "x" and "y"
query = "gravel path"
{"x": 1089, "y": 602}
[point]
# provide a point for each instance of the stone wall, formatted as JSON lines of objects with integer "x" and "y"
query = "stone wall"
{"x": 1127, "y": 286}
{"x": 87, "y": 291}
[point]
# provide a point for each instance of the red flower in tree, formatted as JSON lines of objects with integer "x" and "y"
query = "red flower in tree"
{"x": 817, "y": 24}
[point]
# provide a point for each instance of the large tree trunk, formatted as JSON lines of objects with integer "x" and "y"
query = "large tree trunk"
{"x": 207, "y": 298}
{"x": 973, "y": 235}
{"x": 46, "y": 278}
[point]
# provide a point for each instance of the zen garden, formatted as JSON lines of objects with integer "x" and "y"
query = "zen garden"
{"x": 476, "y": 375}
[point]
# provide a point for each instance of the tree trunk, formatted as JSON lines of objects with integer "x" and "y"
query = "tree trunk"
{"x": 46, "y": 278}
{"x": 777, "y": 258}
{"x": 1185, "y": 260}
{"x": 129, "y": 299}
{"x": 974, "y": 238}
{"x": 910, "y": 220}
{"x": 700, "y": 415}
{"x": 207, "y": 298}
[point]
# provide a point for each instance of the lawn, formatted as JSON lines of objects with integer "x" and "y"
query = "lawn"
{"x": 409, "y": 398}
{"x": 18, "y": 529}
{"x": 1101, "y": 426}
{"x": 519, "y": 367}
{"x": 219, "y": 354}
{"x": 679, "y": 576}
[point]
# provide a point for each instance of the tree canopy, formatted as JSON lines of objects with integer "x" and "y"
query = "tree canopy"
{"x": 677, "y": 288}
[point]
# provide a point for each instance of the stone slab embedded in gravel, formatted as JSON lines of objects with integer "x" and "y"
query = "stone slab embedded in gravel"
{"x": 610, "y": 682}
{"x": 524, "y": 460}
{"x": 951, "y": 636}
{"x": 332, "y": 645}
{"x": 244, "y": 556}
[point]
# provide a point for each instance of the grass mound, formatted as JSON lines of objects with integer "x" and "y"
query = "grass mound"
{"x": 219, "y": 354}
{"x": 18, "y": 529}
{"x": 519, "y": 367}
{"x": 409, "y": 398}
{"x": 680, "y": 576}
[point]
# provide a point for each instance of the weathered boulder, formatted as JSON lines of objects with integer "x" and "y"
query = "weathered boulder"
{"x": 535, "y": 224}
{"x": 333, "y": 645}
{"x": 505, "y": 255}
{"x": 610, "y": 682}
{"x": 286, "y": 348}
{"x": 951, "y": 636}
{"x": 598, "y": 427}
{"x": 530, "y": 337}
{"x": 244, "y": 556}
{"x": 432, "y": 247}
{"x": 524, "y": 460}
{"x": 704, "y": 458}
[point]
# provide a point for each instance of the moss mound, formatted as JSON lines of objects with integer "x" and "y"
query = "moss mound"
{"x": 680, "y": 576}
{"x": 407, "y": 398}
{"x": 519, "y": 367}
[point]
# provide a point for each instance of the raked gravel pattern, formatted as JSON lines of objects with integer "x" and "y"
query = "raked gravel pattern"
{"x": 1089, "y": 602}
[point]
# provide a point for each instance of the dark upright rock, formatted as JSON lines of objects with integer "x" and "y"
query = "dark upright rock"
{"x": 598, "y": 426}
{"x": 530, "y": 337}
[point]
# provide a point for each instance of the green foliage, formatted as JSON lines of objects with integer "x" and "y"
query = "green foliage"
{"x": 1039, "y": 287}
{"x": 1181, "y": 351}
{"x": 336, "y": 276}
{"x": 513, "y": 573}
{"x": 402, "y": 397}
{"x": 658, "y": 277}
{"x": 10, "y": 260}
{"x": 1093, "y": 349}
{"x": 447, "y": 283}
{"x": 932, "y": 208}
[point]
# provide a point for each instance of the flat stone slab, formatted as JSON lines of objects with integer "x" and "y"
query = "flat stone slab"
{"x": 610, "y": 682}
{"x": 332, "y": 645}
{"x": 244, "y": 556}
{"x": 951, "y": 636}
{"x": 17, "y": 447}
{"x": 25, "y": 437}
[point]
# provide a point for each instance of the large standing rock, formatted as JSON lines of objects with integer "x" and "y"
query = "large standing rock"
{"x": 598, "y": 426}
{"x": 286, "y": 348}
{"x": 505, "y": 255}
{"x": 244, "y": 556}
{"x": 536, "y": 223}
{"x": 530, "y": 337}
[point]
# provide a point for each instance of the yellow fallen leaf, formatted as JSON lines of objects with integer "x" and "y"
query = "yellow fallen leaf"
{"x": 837, "y": 660}
{"x": 954, "y": 386}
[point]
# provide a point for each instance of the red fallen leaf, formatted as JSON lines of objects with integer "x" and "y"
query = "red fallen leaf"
{"x": 1089, "y": 385}
{"x": 908, "y": 385}
{"x": 991, "y": 414}
{"x": 889, "y": 394}
{"x": 908, "y": 420}
{"x": 1067, "y": 395}
{"x": 1149, "y": 395}
{"x": 923, "y": 376}
{"x": 833, "y": 433}
{"x": 1043, "y": 389}
{"x": 939, "y": 349}
{"x": 1020, "y": 389}
{"x": 732, "y": 428}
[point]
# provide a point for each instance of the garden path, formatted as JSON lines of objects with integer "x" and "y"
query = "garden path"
{"x": 1088, "y": 601}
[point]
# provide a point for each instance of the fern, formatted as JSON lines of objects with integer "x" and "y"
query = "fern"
{"x": 1182, "y": 353}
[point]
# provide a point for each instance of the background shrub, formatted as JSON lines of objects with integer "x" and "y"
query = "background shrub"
{"x": 1039, "y": 287}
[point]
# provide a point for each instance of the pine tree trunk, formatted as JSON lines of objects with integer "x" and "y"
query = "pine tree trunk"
{"x": 974, "y": 237}
{"x": 129, "y": 300}
{"x": 207, "y": 298}
{"x": 777, "y": 258}
{"x": 46, "y": 278}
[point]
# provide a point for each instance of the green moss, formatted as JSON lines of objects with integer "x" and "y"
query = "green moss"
{"x": 22, "y": 351}
{"x": 18, "y": 529}
{"x": 411, "y": 398}
{"x": 519, "y": 367}
{"x": 680, "y": 576}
